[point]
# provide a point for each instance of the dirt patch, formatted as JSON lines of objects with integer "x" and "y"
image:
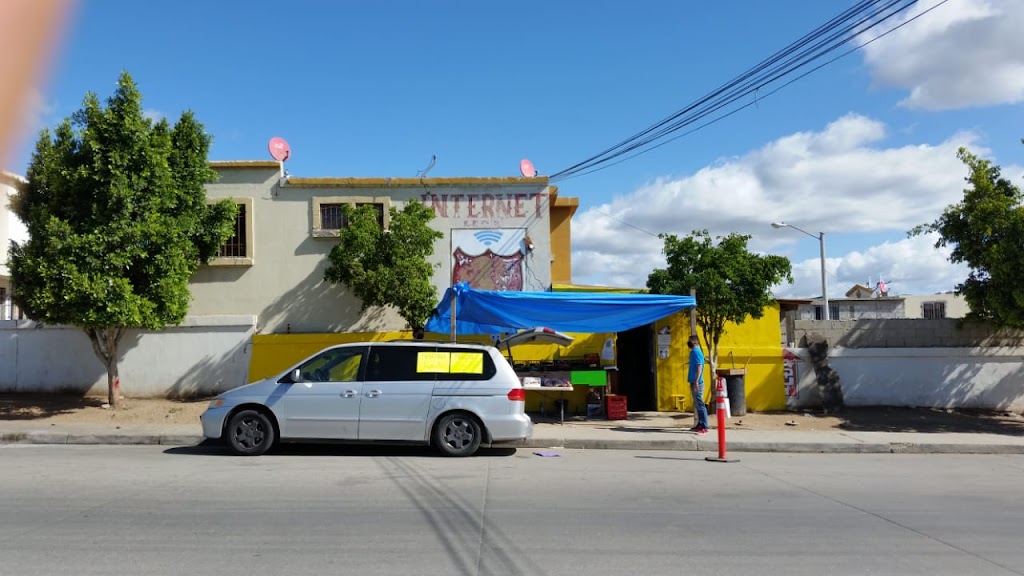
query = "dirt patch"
{"x": 67, "y": 409}
{"x": 59, "y": 410}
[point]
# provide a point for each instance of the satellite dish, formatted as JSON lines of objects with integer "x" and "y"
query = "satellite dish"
{"x": 279, "y": 149}
{"x": 526, "y": 168}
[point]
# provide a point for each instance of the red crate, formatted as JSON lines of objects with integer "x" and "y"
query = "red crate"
{"x": 616, "y": 408}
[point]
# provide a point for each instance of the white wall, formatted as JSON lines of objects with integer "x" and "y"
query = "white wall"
{"x": 204, "y": 356}
{"x": 981, "y": 378}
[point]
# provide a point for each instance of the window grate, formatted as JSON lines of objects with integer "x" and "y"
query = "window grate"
{"x": 933, "y": 310}
{"x": 332, "y": 217}
{"x": 235, "y": 246}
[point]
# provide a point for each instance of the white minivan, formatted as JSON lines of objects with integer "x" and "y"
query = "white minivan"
{"x": 453, "y": 396}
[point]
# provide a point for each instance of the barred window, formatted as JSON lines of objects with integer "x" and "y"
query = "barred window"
{"x": 933, "y": 310}
{"x": 329, "y": 218}
{"x": 238, "y": 249}
{"x": 235, "y": 246}
{"x": 332, "y": 217}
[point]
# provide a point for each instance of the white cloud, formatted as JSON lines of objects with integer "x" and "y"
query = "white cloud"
{"x": 964, "y": 53}
{"x": 840, "y": 180}
{"x": 908, "y": 266}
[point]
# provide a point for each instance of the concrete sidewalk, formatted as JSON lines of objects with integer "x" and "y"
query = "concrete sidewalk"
{"x": 654, "y": 431}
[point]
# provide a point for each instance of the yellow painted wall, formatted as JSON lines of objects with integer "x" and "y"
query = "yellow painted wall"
{"x": 754, "y": 345}
{"x": 274, "y": 353}
{"x": 561, "y": 239}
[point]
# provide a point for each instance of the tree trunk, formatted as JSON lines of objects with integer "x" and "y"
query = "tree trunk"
{"x": 113, "y": 384}
{"x": 105, "y": 342}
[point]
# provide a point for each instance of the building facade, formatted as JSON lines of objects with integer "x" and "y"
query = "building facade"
{"x": 10, "y": 229}
{"x": 498, "y": 234}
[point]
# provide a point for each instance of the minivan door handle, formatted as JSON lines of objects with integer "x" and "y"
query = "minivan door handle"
{"x": 373, "y": 394}
{"x": 348, "y": 394}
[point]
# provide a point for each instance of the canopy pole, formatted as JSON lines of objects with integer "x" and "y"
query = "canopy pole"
{"x": 453, "y": 316}
{"x": 693, "y": 314}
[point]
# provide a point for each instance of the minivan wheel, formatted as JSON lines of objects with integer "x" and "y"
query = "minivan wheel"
{"x": 458, "y": 435}
{"x": 250, "y": 433}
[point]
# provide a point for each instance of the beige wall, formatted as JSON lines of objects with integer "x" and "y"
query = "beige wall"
{"x": 956, "y": 306}
{"x": 283, "y": 286}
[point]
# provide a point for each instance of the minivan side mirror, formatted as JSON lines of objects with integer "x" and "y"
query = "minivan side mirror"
{"x": 296, "y": 376}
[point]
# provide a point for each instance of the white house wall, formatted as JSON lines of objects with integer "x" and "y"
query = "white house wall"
{"x": 202, "y": 357}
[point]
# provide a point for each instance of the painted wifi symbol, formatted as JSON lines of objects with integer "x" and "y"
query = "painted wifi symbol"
{"x": 487, "y": 237}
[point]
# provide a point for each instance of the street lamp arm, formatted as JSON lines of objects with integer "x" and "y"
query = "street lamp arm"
{"x": 797, "y": 228}
{"x": 820, "y": 237}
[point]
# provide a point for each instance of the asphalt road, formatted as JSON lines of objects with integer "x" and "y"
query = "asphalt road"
{"x": 144, "y": 510}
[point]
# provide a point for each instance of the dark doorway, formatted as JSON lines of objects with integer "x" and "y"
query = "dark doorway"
{"x": 635, "y": 359}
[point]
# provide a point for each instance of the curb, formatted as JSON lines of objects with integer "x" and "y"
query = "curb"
{"x": 93, "y": 439}
{"x": 772, "y": 447}
{"x": 679, "y": 445}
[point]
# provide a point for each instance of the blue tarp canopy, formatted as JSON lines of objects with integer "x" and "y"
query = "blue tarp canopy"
{"x": 490, "y": 312}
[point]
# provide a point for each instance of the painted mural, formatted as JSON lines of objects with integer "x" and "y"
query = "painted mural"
{"x": 489, "y": 259}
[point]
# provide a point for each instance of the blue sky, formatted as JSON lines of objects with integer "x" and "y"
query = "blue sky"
{"x": 862, "y": 150}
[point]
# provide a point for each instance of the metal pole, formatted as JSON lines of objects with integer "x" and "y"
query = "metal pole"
{"x": 824, "y": 283}
{"x": 453, "y": 315}
{"x": 693, "y": 314}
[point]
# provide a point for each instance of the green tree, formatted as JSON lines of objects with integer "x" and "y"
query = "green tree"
{"x": 986, "y": 231}
{"x": 118, "y": 222}
{"x": 731, "y": 282}
{"x": 388, "y": 267}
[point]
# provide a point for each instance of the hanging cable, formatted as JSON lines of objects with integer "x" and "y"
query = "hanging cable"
{"x": 812, "y": 47}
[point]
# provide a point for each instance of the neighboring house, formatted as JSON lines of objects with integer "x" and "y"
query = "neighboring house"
{"x": 936, "y": 306}
{"x": 863, "y": 302}
{"x": 844, "y": 308}
{"x": 10, "y": 229}
{"x": 499, "y": 234}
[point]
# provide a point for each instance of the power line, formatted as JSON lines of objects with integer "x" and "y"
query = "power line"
{"x": 839, "y": 31}
{"x": 754, "y": 102}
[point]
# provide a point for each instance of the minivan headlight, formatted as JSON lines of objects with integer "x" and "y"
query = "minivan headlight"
{"x": 216, "y": 403}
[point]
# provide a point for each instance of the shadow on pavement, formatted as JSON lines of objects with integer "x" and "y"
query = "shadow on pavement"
{"x": 213, "y": 448}
{"x": 699, "y": 458}
{"x": 926, "y": 420}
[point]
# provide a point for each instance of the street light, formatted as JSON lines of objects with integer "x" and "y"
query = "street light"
{"x": 821, "y": 239}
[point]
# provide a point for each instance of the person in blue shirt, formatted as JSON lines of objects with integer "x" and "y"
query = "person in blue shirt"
{"x": 695, "y": 376}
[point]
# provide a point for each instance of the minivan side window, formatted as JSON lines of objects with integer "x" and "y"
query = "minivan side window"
{"x": 334, "y": 365}
{"x": 396, "y": 363}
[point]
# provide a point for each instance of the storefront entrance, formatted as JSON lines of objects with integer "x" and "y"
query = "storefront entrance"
{"x": 636, "y": 362}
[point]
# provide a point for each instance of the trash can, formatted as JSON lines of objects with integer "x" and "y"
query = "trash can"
{"x": 735, "y": 388}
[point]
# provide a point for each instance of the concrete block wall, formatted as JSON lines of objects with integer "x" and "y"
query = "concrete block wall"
{"x": 204, "y": 356}
{"x": 905, "y": 333}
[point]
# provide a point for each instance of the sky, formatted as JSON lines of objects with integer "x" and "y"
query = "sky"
{"x": 862, "y": 150}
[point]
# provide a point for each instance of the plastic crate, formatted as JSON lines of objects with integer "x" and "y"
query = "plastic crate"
{"x": 616, "y": 407}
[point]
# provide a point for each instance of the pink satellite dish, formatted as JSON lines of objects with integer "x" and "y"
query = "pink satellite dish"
{"x": 279, "y": 149}
{"x": 526, "y": 168}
